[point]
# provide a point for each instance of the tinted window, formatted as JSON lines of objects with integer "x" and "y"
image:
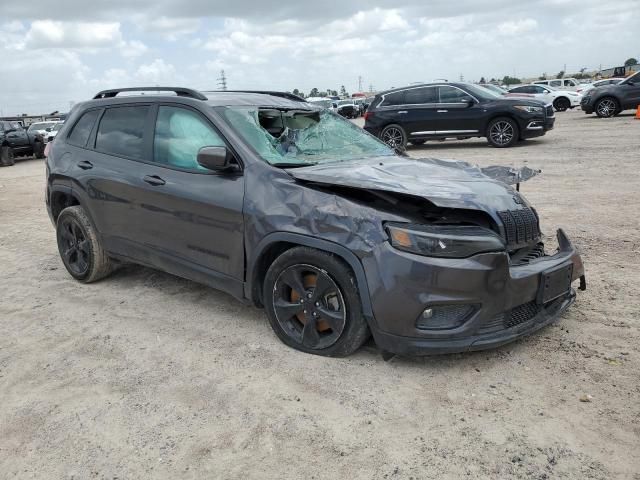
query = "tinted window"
{"x": 82, "y": 129}
{"x": 519, "y": 90}
{"x": 538, "y": 89}
{"x": 453, "y": 95}
{"x": 179, "y": 134}
{"x": 396, "y": 98}
{"x": 421, "y": 95}
{"x": 121, "y": 130}
{"x": 556, "y": 83}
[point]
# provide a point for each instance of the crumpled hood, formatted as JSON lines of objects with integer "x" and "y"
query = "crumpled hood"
{"x": 445, "y": 183}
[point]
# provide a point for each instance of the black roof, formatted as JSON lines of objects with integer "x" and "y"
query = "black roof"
{"x": 455, "y": 84}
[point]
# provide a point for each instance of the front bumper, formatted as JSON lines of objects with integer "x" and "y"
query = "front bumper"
{"x": 587, "y": 105}
{"x": 402, "y": 285}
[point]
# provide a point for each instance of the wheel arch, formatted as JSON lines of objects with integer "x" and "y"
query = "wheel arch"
{"x": 274, "y": 244}
{"x": 60, "y": 198}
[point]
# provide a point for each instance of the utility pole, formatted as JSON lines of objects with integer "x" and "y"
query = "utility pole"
{"x": 222, "y": 81}
{"x": 359, "y": 83}
{"x": 371, "y": 88}
{"x": 461, "y": 77}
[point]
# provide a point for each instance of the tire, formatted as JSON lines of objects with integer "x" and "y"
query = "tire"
{"x": 7, "y": 157}
{"x": 502, "y": 132}
{"x": 313, "y": 304}
{"x": 417, "y": 142}
{"x": 394, "y": 136}
{"x": 79, "y": 246}
{"x": 38, "y": 150}
{"x": 607, "y": 107}
{"x": 561, "y": 104}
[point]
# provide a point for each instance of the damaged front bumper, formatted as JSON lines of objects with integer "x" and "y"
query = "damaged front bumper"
{"x": 505, "y": 301}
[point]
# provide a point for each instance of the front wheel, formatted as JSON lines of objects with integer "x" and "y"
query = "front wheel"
{"x": 606, "y": 107}
{"x": 6, "y": 156}
{"x": 38, "y": 150}
{"x": 312, "y": 301}
{"x": 394, "y": 136}
{"x": 79, "y": 246}
{"x": 503, "y": 132}
{"x": 561, "y": 104}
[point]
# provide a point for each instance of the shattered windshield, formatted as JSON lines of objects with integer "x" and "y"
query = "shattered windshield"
{"x": 302, "y": 137}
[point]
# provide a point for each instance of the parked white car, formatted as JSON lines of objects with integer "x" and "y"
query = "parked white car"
{"x": 599, "y": 83}
{"x": 42, "y": 128}
{"x": 324, "y": 102}
{"x": 54, "y": 131}
{"x": 570, "y": 84}
{"x": 561, "y": 99}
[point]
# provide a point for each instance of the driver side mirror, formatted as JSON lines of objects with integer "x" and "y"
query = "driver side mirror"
{"x": 470, "y": 103}
{"x": 217, "y": 159}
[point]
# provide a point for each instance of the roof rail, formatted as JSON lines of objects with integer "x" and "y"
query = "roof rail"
{"x": 287, "y": 95}
{"x": 179, "y": 91}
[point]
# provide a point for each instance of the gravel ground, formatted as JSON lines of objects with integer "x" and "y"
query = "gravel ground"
{"x": 145, "y": 375}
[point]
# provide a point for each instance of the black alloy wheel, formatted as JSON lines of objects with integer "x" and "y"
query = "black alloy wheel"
{"x": 74, "y": 246}
{"x": 502, "y": 132}
{"x": 309, "y": 306}
{"x": 394, "y": 136}
{"x": 606, "y": 107}
{"x": 313, "y": 303}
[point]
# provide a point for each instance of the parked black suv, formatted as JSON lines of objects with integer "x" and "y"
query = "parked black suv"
{"x": 16, "y": 141}
{"x": 609, "y": 100}
{"x": 291, "y": 207}
{"x": 419, "y": 113}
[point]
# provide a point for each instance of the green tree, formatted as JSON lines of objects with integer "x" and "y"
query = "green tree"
{"x": 543, "y": 76}
{"x": 482, "y": 80}
{"x": 343, "y": 91}
{"x": 507, "y": 80}
{"x": 560, "y": 74}
{"x": 297, "y": 92}
{"x": 630, "y": 61}
{"x": 314, "y": 92}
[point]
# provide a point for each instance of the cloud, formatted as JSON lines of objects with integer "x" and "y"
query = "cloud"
{"x": 517, "y": 27}
{"x": 86, "y": 35}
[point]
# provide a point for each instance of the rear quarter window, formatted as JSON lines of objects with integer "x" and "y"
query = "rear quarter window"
{"x": 82, "y": 129}
{"x": 121, "y": 131}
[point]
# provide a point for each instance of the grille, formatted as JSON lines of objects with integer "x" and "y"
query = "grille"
{"x": 521, "y": 314}
{"x": 516, "y": 316}
{"x": 520, "y": 226}
{"x": 524, "y": 256}
{"x": 549, "y": 110}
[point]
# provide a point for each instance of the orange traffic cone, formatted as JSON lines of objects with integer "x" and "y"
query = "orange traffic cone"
{"x": 638, "y": 113}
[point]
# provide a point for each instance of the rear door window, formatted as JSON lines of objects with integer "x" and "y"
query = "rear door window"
{"x": 420, "y": 96}
{"x": 121, "y": 131}
{"x": 556, "y": 83}
{"x": 82, "y": 129}
{"x": 180, "y": 133}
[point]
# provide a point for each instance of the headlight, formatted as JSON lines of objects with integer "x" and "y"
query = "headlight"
{"x": 445, "y": 241}
{"x": 528, "y": 108}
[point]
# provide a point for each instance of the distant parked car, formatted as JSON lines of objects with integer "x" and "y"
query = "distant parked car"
{"x": 599, "y": 83}
{"x": 16, "y": 141}
{"x": 560, "y": 99}
{"x": 438, "y": 111}
{"x": 609, "y": 100}
{"x": 54, "y": 131}
{"x": 41, "y": 128}
{"x": 323, "y": 102}
{"x": 560, "y": 83}
{"x": 348, "y": 108}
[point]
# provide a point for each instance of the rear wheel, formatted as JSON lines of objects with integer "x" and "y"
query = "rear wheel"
{"x": 607, "y": 107}
{"x": 394, "y": 136}
{"x": 7, "y": 157}
{"x": 313, "y": 304}
{"x": 561, "y": 104}
{"x": 79, "y": 246}
{"x": 502, "y": 132}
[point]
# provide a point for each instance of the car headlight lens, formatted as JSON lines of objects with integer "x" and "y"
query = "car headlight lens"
{"x": 444, "y": 241}
{"x": 528, "y": 108}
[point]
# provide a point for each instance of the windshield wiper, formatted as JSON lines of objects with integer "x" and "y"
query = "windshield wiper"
{"x": 292, "y": 164}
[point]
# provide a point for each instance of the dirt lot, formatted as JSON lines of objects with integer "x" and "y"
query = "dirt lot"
{"x": 145, "y": 375}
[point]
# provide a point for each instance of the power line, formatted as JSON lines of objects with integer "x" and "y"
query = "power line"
{"x": 222, "y": 81}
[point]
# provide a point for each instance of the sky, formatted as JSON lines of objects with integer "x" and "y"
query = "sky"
{"x": 55, "y": 53}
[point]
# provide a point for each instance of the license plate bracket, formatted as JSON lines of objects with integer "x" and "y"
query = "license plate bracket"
{"x": 555, "y": 282}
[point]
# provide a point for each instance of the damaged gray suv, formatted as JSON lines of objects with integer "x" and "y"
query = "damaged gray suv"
{"x": 292, "y": 208}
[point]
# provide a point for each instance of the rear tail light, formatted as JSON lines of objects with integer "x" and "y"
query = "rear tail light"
{"x": 46, "y": 149}
{"x": 367, "y": 115}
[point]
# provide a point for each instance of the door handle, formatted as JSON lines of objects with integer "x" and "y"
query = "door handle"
{"x": 85, "y": 165}
{"x": 154, "y": 180}
{"x": 443, "y": 111}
